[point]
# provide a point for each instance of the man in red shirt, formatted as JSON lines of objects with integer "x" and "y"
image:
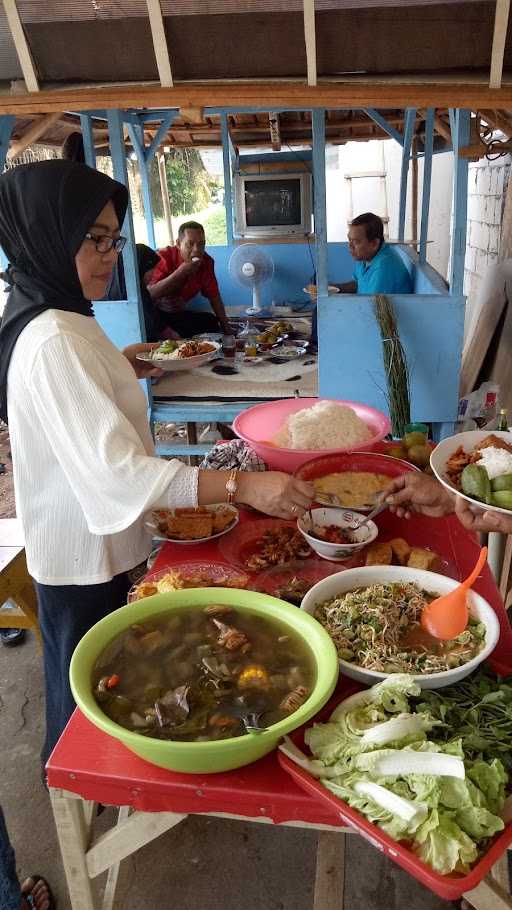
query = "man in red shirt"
{"x": 184, "y": 271}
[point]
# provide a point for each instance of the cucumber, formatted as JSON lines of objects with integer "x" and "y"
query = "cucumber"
{"x": 501, "y": 483}
{"x": 503, "y": 499}
{"x": 475, "y": 482}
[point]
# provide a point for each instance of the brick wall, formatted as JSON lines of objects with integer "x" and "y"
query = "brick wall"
{"x": 487, "y": 184}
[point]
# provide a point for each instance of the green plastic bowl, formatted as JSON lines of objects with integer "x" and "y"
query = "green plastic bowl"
{"x": 221, "y": 755}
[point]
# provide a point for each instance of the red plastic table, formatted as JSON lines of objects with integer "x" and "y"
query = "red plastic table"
{"x": 87, "y": 766}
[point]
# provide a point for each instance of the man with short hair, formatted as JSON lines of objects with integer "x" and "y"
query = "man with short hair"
{"x": 184, "y": 271}
{"x": 378, "y": 269}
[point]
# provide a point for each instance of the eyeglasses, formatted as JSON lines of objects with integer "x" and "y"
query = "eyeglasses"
{"x": 105, "y": 244}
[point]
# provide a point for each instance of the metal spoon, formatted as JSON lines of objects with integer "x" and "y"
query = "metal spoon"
{"x": 333, "y": 502}
{"x": 250, "y": 719}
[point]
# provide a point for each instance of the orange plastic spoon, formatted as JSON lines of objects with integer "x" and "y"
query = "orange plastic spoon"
{"x": 447, "y": 616}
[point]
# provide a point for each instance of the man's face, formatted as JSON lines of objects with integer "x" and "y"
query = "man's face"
{"x": 191, "y": 245}
{"x": 361, "y": 249}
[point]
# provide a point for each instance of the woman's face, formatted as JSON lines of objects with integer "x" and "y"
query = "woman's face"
{"x": 94, "y": 269}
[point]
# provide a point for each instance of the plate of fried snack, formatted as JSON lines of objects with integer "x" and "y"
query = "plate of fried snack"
{"x": 399, "y": 552}
{"x": 188, "y": 575}
{"x": 192, "y": 525}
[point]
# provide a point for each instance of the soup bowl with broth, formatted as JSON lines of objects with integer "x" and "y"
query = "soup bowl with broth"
{"x": 107, "y": 677}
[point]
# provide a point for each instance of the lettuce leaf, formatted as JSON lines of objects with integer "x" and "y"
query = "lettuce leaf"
{"x": 442, "y": 844}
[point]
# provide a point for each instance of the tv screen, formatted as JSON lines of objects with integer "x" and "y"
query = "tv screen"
{"x": 273, "y": 202}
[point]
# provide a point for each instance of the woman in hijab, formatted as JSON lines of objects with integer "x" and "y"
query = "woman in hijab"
{"x": 85, "y": 470}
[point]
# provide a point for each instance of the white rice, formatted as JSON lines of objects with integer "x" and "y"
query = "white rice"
{"x": 495, "y": 461}
{"x": 327, "y": 425}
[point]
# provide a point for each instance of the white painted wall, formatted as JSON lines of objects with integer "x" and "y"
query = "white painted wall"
{"x": 382, "y": 196}
{"x": 487, "y": 186}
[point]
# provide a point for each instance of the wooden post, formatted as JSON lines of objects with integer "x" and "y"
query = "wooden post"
{"x": 228, "y": 191}
{"x": 318, "y": 125}
{"x": 427, "y": 181}
{"x": 460, "y": 121}
{"x": 131, "y": 272}
{"x": 409, "y": 122}
{"x": 165, "y": 196}
{"x": 6, "y": 125}
{"x": 88, "y": 139}
{"x": 414, "y": 199}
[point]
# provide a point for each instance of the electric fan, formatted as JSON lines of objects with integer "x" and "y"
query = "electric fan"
{"x": 251, "y": 267}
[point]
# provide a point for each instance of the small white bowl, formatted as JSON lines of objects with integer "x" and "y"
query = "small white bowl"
{"x": 342, "y": 518}
{"x": 365, "y": 576}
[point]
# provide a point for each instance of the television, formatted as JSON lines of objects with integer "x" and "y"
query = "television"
{"x": 268, "y": 205}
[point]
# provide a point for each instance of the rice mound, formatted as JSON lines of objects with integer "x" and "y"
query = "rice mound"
{"x": 327, "y": 425}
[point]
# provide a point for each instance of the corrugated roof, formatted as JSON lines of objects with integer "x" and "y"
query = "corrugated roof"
{"x": 32, "y": 11}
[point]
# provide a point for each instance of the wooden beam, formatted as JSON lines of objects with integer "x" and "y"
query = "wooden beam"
{"x": 275, "y": 132}
{"x": 310, "y": 39}
{"x": 384, "y": 124}
{"x": 477, "y": 150}
{"x": 498, "y": 121}
{"x": 160, "y": 43}
{"x": 193, "y": 114}
{"x": 35, "y": 131}
{"x": 263, "y": 96}
{"x": 21, "y": 44}
{"x": 440, "y": 126}
{"x": 498, "y": 42}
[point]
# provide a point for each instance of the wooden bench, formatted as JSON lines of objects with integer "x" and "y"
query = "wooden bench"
{"x": 15, "y": 583}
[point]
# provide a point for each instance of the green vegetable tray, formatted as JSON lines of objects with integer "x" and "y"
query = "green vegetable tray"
{"x": 449, "y": 887}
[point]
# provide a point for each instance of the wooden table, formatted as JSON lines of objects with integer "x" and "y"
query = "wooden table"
{"x": 87, "y": 767}
{"x": 15, "y": 583}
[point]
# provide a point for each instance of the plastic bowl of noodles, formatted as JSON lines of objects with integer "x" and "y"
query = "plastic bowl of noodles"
{"x": 259, "y": 424}
{"x": 202, "y": 757}
{"x": 352, "y": 579}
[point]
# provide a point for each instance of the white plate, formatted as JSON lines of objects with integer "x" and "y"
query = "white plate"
{"x": 365, "y": 576}
{"x": 331, "y": 289}
{"x": 185, "y": 363}
{"x": 468, "y": 441}
{"x": 151, "y": 525}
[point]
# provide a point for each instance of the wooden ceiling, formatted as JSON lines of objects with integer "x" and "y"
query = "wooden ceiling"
{"x": 260, "y": 130}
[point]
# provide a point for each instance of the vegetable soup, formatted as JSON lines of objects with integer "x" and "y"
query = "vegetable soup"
{"x": 203, "y": 674}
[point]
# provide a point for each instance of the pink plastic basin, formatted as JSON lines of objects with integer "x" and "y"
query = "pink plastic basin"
{"x": 259, "y": 424}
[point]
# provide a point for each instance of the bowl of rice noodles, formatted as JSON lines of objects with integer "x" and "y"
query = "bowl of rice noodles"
{"x": 372, "y": 614}
{"x": 287, "y": 433}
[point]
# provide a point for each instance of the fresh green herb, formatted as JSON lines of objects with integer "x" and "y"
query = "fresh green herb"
{"x": 477, "y": 710}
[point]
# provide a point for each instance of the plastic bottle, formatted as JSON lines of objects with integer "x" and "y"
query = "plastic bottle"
{"x": 502, "y": 420}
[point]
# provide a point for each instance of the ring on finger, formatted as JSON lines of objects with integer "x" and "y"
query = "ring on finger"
{"x": 294, "y": 509}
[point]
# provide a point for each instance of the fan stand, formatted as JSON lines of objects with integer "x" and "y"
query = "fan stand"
{"x": 255, "y": 309}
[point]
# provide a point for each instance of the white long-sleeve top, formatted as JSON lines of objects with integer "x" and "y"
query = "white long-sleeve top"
{"x": 85, "y": 470}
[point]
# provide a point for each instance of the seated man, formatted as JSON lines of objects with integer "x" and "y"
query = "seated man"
{"x": 378, "y": 269}
{"x": 184, "y": 271}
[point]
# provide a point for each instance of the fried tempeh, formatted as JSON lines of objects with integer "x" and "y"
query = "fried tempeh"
{"x": 379, "y": 554}
{"x": 401, "y": 550}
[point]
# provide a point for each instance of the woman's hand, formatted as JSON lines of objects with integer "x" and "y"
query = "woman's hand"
{"x": 418, "y": 493}
{"x": 275, "y": 493}
{"x": 142, "y": 369}
{"x": 475, "y": 519}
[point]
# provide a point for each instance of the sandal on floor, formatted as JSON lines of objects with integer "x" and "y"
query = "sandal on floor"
{"x": 11, "y": 637}
{"x": 28, "y": 895}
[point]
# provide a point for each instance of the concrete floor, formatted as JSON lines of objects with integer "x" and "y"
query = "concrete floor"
{"x": 210, "y": 863}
